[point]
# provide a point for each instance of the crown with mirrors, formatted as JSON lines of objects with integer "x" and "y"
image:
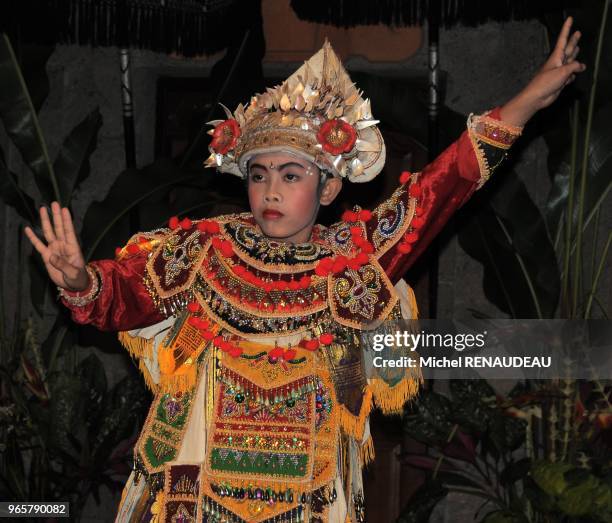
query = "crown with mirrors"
{"x": 317, "y": 114}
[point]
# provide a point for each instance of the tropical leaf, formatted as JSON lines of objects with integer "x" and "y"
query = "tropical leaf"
{"x": 13, "y": 484}
{"x": 431, "y": 423}
{"x": 159, "y": 191}
{"x": 13, "y": 195}
{"x": 506, "y": 433}
{"x": 466, "y": 390}
{"x": 455, "y": 479}
{"x": 462, "y": 447}
{"x": 579, "y": 500}
{"x": 550, "y": 477}
{"x": 94, "y": 383}
{"x": 472, "y": 400}
{"x": 40, "y": 284}
{"x": 65, "y": 408}
{"x": 599, "y": 181}
{"x": 72, "y": 163}
{"x": 504, "y": 516}
{"x": 33, "y": 379}
{"x": 423, "y": 502}
{"x": 424, "y": 462}
{"x": 59, "y": 339}
{"x": 21, "y": 122}
{"x": 111, "y": 217}
{"x": 538, "y": 497}
{"x": 521, "y": 274}
{"x": 515, "y": 471}
{"x": 402, "y": 104}
{"x": 33, "y": 60}
{"x": 472, "y": 414}
{"x": 122, "y": 412}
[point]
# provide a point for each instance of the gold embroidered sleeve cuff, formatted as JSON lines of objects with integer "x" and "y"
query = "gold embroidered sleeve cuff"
{"x": 491, "y": 139}
{"x": 77, "y": 298}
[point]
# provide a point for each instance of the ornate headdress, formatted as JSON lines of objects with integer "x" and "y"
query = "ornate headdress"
{"x": 317, "y": 114}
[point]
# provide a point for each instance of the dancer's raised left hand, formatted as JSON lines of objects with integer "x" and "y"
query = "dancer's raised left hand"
{"x": 558, "y": 71}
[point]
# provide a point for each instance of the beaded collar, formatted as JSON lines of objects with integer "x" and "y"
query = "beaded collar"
{"x": 248, "y": 238}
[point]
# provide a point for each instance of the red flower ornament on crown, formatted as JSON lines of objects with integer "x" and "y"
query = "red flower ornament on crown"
{"x": 317, "y": 113}
{"x": 225, "y": 136}
{"x": 337, "y": 136}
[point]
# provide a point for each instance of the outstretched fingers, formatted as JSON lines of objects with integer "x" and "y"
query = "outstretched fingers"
{"x": 69, "y": 233}
{"x": 572, "y": 56}
{"x": 573, "y": 68}
{"x": 570, "y": 70}
{"x": 571, "y": 49}
{"x": 45, "y": 223}
{"x": 38, "y": 245}
{"x": 58, "y": 222}
{"x": 562, "y": 41}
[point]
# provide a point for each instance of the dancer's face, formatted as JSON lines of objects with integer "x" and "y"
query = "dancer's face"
{"x": 285, "y": 193}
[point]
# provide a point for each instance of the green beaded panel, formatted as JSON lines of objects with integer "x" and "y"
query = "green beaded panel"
{"x": 273, "y": 464}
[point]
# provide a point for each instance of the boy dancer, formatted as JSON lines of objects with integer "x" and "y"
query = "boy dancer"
{"x": 246, "y": 326}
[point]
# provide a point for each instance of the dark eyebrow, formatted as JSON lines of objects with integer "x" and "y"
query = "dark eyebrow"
{"x": 279, "y": 168}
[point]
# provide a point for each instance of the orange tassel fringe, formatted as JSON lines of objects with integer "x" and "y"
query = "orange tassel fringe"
{"x": 354, "y": 425}
{"x": 391, "y": 400}
{"x": 140, "y": 349}
{"x": 367, "y": 452}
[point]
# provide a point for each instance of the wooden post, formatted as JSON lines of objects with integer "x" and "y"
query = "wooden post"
{"x": 433, "y": 19}
{"x": 128, "y": 108}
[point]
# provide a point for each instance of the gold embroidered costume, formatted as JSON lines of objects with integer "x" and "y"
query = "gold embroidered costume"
{"x": 252, "y": 347}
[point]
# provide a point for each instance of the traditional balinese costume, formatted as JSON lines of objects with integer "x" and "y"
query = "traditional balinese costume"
{"x": 252, "y": 347}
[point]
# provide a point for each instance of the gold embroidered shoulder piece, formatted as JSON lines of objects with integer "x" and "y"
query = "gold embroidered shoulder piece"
{"x": 173, "y": 265}
{"x": 142, "y": 242}
{"x": 361, "y": 296}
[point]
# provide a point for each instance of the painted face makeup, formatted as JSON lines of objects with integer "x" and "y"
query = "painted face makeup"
{"x": 284, "y": 196}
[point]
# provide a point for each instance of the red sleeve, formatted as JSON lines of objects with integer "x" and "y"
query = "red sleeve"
{"x": 123, "y": 302}
{"x": 444, "y": 185}
{"x": 403, "y": 226}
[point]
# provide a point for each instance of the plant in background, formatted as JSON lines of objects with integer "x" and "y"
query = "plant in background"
{"x": 541, "y": 454}
{"x": 64, "y": 432}
{"x": 484, "y": 445}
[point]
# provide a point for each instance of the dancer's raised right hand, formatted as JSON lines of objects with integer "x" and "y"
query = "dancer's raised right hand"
{"x": 62, "y": 254}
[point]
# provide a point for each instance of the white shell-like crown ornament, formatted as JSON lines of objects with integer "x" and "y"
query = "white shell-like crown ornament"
{"x": 317, "y": 114}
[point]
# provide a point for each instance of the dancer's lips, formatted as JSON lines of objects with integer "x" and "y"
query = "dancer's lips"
{"x": 272, "y": 214}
